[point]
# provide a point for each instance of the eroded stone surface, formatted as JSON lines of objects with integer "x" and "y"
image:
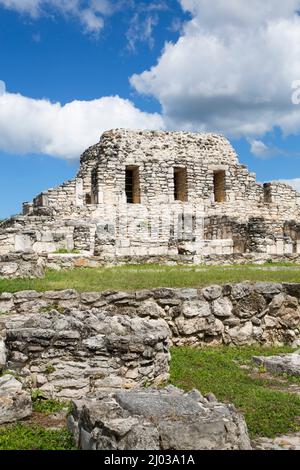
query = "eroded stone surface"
{"x": 23, "y": 264}
{"x": 70, "y": 354}
{"x": 153, "y": 419}
{"x": 284, "y": 442}
{"x": 15, "y": 403}
{"x": 282, "y": 364}
{"x": 241, "y": 314}
{"x": 2, "y": 354}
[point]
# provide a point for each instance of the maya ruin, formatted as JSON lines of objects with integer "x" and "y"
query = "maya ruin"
{"x": 160, "y": 195}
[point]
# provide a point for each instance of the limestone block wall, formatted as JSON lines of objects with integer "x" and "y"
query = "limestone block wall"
{"x": 148, "y": 230}
{"x": 28, "y": 264}
{"x": 21, "y": 265}
{"x": 281, "y": 194}
{"x": 72, "y": 353}
{"x": 157, "y": 154}
{"x": 63, "y": 198}
{"x": 267, "y": 313}
{"x": 257, "y": 235}
{"x": 88, "y": 161}
{"x": 70, "y": 344}
{"x": 40, "y": 233}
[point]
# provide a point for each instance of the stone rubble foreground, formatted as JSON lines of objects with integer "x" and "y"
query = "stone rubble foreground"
{"x": 15, "y": 402}
{"x": 283, "y": 364}
{"x": 157, "y": 419}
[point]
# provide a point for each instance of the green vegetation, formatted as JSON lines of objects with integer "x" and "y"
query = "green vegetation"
{"x": 49, "y": 369}
{"x": 38, "y": 434}
{"x": 63, "y": 251}
{"x": 51, "y": 307}
{"x": 24, "y": 437}
{"x": 40, "y": 405}
{"x": 267, "y": 410}
{"x": 150, "y": 276}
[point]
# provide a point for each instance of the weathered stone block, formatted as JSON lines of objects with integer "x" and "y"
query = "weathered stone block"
{"x": 15, "y": 403}
{"x": 157, "y": 419}
{"x": 283, "y": 364}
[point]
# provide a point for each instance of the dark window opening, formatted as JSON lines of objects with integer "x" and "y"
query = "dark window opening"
{"x": 180, "y": 184}
{"x": 88, "y": 199}
{"x": 267, "y": 193}
{"x": 132, "y": 184}
{"x": 219, "y": 186}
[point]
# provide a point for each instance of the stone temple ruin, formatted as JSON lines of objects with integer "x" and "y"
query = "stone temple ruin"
{"x": 159, "y": 195}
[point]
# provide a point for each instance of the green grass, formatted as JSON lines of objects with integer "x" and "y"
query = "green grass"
{"x": 23, "y": 437}
{"x": 149, "y": 276}
{"x": 268, "y": 412}
{"x": 47, "y": 407}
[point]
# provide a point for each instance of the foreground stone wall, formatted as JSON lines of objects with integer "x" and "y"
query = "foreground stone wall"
{"x": 267, "y": 313}
{"x": 71, "y": 354}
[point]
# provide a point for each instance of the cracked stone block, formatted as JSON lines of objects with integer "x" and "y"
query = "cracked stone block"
{"x": 282, "y": 364}
{"x": 15, "y": 403}
{"x": 157, "y": 419}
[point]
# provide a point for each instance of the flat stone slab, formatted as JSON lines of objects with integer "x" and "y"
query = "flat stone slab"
{"x": 157, "y": 419}
{"x": 282, "y": 364}
{"x": 15, "y": 403}
{"x": 285, "y": 442}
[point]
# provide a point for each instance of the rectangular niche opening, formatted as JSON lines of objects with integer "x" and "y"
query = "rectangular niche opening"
{"x": 132, "y": 185}
{"x": 88, "y": 199}
{"x": 219, "y": 186}
{"x": 180, "y": 184}
{"x": 267, "y": 193}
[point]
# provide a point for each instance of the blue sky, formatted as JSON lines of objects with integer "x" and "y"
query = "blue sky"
{"x": 73, "y": 68}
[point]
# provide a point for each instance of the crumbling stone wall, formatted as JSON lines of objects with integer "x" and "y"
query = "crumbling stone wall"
{"x": 71, "y": 353}
{"x": 16, "y": 265}
{"x": 238, "y": 314}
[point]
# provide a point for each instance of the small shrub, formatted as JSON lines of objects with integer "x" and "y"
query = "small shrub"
{"x": 49, "y": 406}
{"x": 52, "y": 307}
{"x": 49, "y": 369}
{"x": 262, "y": 369}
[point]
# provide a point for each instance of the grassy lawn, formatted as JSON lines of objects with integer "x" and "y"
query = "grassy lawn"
{"x": 37, "y": 432}
{"x": 268, "y": 412}
{"x": 24, "y": 437}
{"x": 151, "y": 276}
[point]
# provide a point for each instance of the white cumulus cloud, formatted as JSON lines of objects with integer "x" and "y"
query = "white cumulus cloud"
{"x": 38, "y": 126}
{"x": 260, "y": 149}
{"x": 89, "y": 12}
{"x": 231, "y": 70}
